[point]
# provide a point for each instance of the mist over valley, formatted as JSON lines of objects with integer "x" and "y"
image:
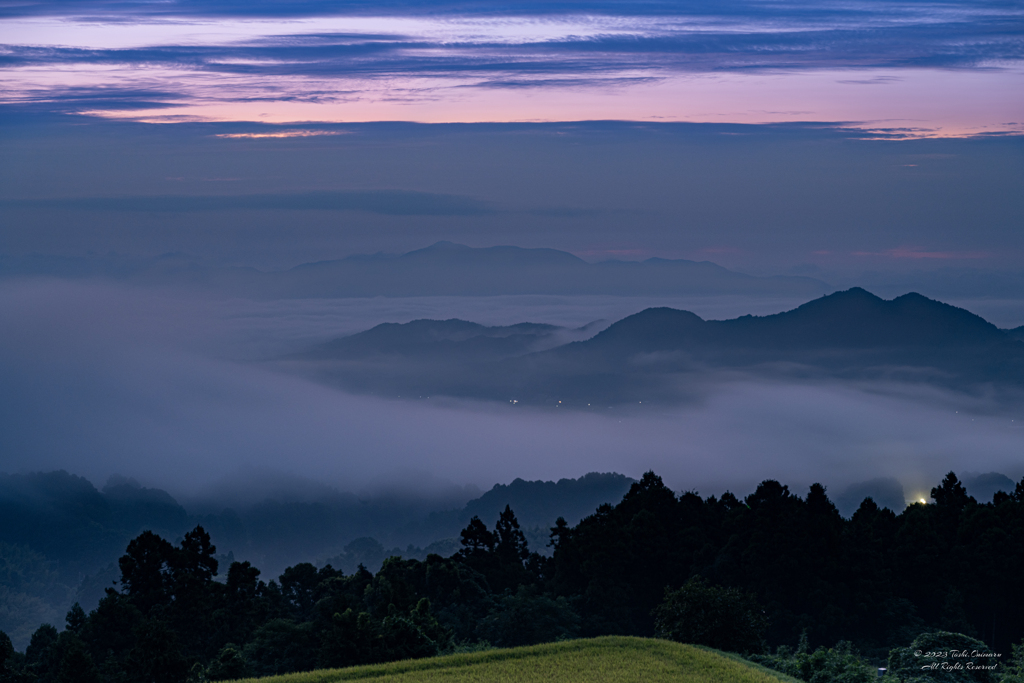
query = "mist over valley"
{"x": 664, "y": 355}
{"x": 344, "y": 333}
{"x": 180, "y": 391}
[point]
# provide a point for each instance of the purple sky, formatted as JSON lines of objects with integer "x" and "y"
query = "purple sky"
{"x": 778, "y": 174}
{"x": 936, "y": 69}
{"x": 876, "y": 143}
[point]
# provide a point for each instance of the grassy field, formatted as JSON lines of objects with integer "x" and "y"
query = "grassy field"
{"x": 610, "y": 659}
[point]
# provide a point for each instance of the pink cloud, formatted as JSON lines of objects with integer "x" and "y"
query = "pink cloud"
{"x": 281, "y": 134}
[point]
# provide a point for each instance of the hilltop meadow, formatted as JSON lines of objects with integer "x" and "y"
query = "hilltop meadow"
{"x": 608, "y": 659}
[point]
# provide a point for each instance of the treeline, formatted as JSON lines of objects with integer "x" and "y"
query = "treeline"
{"x": 60, "y": 536}
{"x": 876, "y": 581}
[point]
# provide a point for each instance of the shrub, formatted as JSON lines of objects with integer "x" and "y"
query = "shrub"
{"x": 722, "y": 618}
{"x": 839, "y": 664}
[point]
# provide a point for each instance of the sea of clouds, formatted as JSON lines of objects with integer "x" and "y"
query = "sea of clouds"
{"x": 172, "y": 390}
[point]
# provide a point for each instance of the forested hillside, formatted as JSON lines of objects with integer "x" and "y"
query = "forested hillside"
{"x": 61, "y": 536}
{"x": 793, "y": 565}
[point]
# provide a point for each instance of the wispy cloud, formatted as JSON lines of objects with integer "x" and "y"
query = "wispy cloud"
{"x": 982, "y": 39}
{"x": 386, "y": 202}
{"x": 177, "y": 10}
{"x": 221, "y": 58}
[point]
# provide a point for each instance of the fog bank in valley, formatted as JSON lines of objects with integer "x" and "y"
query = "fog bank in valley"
{"x": 169, "y": 390}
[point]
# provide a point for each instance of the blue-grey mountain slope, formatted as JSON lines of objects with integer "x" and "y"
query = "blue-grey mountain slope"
{"x": 663, "y": 354}
{"x": 443, "y": 269}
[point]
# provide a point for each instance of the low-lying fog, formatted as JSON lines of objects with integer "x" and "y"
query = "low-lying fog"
{"x": 167, "y": 389}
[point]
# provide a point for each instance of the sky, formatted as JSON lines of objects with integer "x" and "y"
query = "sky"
{"x": 765, "y": 136}
{"x": 787, "y": 198}
{"x": 923, "y": 69}
{"x": 876, "y": 143}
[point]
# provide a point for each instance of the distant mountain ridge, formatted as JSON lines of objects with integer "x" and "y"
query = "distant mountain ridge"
{"x": 442, "y": 269}
{"x": 446, "y": 268}
{"x": 540, "y": 503}
{"x": 450, "y": 339}
{"x": 850, "y": 334}
{"x": 853, "y": 319}
{"x": 439, "y": 337}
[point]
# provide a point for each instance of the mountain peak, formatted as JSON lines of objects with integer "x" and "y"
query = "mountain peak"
{"x": 443, "y": 245}
{"x": 856, "y": 318}
{"x": 651, "y": 329}
{"x": 853, "y": 296}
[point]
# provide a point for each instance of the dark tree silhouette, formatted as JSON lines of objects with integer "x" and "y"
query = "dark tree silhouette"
{"x": 476, "y": 538}
{"x": 510, "y": 545}
{"x": 146, "y": 569}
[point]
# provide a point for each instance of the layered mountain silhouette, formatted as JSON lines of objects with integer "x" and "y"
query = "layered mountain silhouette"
{"x": 451, "y": 338}
{"x": 454, "y": 269}
{"x": 663, "y": 354}
{"x": 443, "y": 269}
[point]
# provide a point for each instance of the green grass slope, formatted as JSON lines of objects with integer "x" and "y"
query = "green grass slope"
{"x": 611, "y": 659}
